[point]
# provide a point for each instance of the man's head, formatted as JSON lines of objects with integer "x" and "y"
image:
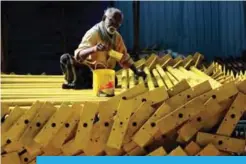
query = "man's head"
{"x": 112, "y": 18}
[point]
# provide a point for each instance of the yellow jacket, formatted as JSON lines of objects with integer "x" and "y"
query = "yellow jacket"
{"x": 102, "y": 59}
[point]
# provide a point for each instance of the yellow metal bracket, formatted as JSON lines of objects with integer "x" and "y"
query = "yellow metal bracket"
{"x": 42, "y": 116}
{"x": 148, "y": 131}
{"x": 209, "y": 150}
{"x": 180, "y": 115}
{"x": 233, "y": 115}
{"x": 192, "y": 148}
{"x": 69, "y": 127}
{"x": 11, "y": 158}
{"x": 120, "y": 124}
{"x": 188, "y": 130}
{"x": 14, "y": 133}
{"x": 222, "y": 143}
{"x": 53, "y": 125}
{"x": 158, "y": 152}
{"x": 87, "y": 118}
{"x": 222, "y": 93}
{"x": 177, "y": 152}
{"x": 139, "y": 117}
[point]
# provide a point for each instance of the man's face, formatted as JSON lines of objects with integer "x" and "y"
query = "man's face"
{"x": 113, "y": 22}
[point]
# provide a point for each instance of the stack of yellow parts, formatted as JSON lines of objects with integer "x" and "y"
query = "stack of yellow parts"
{"x": 23, "y": 90}
{"x": 180, "y": 110}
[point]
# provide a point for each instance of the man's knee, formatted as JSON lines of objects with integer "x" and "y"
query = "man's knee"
{"x": 65, "y": 59}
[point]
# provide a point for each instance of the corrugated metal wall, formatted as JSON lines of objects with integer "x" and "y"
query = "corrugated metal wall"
{"x": 126, "y": 29}
{"x": 212, "y": 28}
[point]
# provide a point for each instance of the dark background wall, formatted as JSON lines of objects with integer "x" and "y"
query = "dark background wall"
{"x": 35, "y": 34}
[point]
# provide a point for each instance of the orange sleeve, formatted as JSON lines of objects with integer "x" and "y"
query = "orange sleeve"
{"x": 120, "y": 47}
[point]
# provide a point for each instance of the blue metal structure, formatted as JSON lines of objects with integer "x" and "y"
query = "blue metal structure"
{"x": 212, "y": 28}
{"x": 127, "y": 26}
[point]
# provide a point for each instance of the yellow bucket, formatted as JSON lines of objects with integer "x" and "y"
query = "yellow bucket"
{"x": 104, "y": 82}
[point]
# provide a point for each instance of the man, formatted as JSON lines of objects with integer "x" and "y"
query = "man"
{"x": 92, "y": 52}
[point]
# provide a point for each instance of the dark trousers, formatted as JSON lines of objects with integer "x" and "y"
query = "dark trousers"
{"x": 78, "y": 76}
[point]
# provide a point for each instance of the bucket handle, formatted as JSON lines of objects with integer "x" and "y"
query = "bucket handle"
{"x": 95, "y": 64}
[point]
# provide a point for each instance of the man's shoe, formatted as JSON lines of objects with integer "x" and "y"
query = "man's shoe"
{"x": 68, "y": 86}
{"x": 75, "y": 86}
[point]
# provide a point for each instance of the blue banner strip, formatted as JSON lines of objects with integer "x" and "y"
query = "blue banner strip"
{"x": 140, "y": 159}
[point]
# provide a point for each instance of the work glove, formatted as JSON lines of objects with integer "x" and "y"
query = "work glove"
{"x": 138, "y": 73}
{"x": 141, "y": 73}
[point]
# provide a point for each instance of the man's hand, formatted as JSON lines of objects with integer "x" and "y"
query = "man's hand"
{"x": 138, "y": 72}
{"x": 83, "y": 54}
{"x": 100, "y": 47}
